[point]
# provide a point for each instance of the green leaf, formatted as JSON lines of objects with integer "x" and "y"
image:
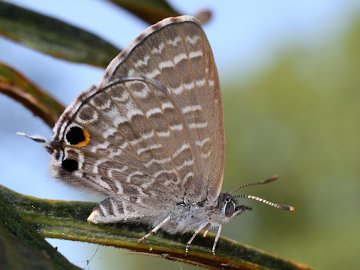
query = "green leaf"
{"x": 149, "y": 11}
{"x": 156, "y": 10}
{"x": 54, "y": 37}
{"x": 21, "y": 245}
{"x": 67, "y": 220}
{"x": 18, "y": 87}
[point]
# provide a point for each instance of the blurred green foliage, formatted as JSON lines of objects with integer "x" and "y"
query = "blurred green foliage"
{"x": 300, "y": 118}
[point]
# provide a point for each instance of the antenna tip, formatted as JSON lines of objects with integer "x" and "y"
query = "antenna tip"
{"x": 286, "y": 207}
{"x": 19, "y": 133}
{"x": 34, "y": 138}
{"x": 271, "y": 179}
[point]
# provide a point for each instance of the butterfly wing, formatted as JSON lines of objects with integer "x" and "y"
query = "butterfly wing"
{"x": 176, "y": 53}
{"x": 114, "y": 140}
{"x": 153, "y": 126}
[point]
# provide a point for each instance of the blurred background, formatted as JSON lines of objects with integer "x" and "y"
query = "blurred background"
{"x": 290, "y": 77}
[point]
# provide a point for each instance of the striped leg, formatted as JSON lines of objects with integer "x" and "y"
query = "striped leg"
{"x": 216, "y": 239}
{"x": 153, "y": 231}
{"x": 206, "y": 230}
{"x": 202, "y": 226}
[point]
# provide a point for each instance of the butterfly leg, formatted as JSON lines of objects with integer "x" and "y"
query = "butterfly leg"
{"x": 216, "y": 239}
{"x": 153, "y": 231}
{"x": 201, "y": 227}
{"x": 206, "y": 230}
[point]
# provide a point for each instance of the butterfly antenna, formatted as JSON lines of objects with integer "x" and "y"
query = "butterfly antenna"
{"x": 266, "y": 181}
{"x": 38, "y": 139}
{"x": 275, "y": 205}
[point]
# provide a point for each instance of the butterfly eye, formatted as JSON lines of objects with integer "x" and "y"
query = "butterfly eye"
{"x": 229, "y": 209}
{"x": 78, "y": 136}
{"x": 70, "y": 165}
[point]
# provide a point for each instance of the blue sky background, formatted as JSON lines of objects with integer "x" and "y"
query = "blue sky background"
{"x": 246, "y": 36}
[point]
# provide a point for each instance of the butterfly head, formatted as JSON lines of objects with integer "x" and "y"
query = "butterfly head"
{"x": 229, "y": 207}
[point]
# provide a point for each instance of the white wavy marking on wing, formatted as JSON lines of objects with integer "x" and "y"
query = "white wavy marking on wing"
{"x": 142, "y": 62}
{"x": 128, "y": 178}
{"x": 193, "y": 108}
{"x": 199, "y": 125}
{"x": 149, "y": 147}
{"x": 182, "y": 148}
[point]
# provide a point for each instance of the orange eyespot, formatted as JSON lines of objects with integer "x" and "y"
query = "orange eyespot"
{"x": 78, "y": 136}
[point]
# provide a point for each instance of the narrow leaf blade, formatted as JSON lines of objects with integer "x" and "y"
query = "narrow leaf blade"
{"x": 18, "y": 87}
{"x": 54, "y": 37}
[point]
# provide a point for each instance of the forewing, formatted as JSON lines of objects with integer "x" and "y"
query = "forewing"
{"x": 176, "y": 54}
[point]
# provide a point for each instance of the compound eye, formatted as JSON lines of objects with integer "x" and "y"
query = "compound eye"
{"x": 229, "y": 209}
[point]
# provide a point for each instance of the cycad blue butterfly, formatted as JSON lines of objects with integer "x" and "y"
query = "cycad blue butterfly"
{"x": 150, "y": 136}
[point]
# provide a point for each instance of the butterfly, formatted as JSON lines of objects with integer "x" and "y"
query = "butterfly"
{"x": 150, "y": 136}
